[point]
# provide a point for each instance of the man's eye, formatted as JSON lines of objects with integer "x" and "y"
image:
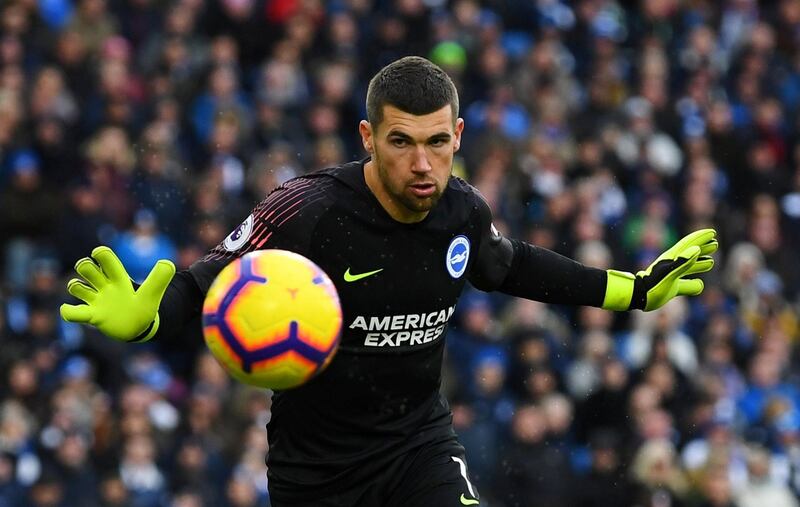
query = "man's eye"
{"x": 399, "y": 142}
{"x": 437, "y": 142}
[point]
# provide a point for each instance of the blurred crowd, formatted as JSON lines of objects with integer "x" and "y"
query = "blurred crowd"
{"x": 601, "y": 129}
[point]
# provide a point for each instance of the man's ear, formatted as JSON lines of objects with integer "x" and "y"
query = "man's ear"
{"x": 365, "y": 129}
{"x": 457, "y": 131}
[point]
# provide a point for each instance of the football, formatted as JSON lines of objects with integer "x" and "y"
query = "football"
{"x": 272, "y": 319}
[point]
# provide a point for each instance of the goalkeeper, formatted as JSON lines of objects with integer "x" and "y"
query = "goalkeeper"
{"x": 399, "y": 236}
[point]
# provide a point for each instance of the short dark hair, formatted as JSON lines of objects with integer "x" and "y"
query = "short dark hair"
{"x": 413, "y": 85}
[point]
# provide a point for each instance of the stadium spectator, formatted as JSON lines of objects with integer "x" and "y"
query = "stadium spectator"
{"x": 600, "y": 129}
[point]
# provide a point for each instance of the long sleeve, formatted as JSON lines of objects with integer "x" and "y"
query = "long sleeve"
{"x": 541, "y": 274}
{"x": 183, "y": 300}
{"x": 523, "y": 270}
{"x": 284, "y": 219}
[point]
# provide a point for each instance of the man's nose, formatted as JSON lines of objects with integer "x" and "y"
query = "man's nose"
{"x": 421, "y": 163}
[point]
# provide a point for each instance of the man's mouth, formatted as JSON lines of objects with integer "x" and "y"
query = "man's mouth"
{"x": 423, "y": 189}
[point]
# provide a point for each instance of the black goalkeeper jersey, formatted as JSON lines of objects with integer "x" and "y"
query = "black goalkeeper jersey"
{"x": 398, "y": 285}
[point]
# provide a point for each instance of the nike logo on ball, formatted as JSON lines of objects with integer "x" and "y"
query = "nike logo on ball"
{"x": 354, "y": 278}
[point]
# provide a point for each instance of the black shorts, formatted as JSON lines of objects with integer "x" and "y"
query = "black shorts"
{"x": 435, "y": 475}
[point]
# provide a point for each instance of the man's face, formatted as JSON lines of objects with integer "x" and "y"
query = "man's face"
{"x": 412, "y": 157}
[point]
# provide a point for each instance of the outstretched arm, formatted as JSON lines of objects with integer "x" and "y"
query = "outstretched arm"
{"x": 523, "y": 270}
{"x": 166, "y": 302}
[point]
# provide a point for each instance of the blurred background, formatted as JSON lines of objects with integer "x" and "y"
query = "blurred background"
{"x": 601, "y": 129}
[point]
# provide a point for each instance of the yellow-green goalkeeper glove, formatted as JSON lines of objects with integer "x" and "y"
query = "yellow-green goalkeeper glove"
{"x": 664, "y": 278}
{"x": 113, "y": 305}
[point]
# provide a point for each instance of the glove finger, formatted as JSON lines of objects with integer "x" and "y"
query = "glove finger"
{"x": 692, "y": 287}
{"x": 690, "y": 254}
{"x": 80, "y": 314}
{"x": 81, "y": 291}
{"x": 699, "y": 237}
{"x": 91, "y": 273}
{"x": 156, "y": 282}
{"x": 709, "y": 248}
{"x": 689, "y": 257}
{"x": 110, "y": 264}
{"x": 701, "y": 265}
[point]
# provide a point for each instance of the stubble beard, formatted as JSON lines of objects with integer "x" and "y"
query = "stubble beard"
{"x": 410, "y": 202}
